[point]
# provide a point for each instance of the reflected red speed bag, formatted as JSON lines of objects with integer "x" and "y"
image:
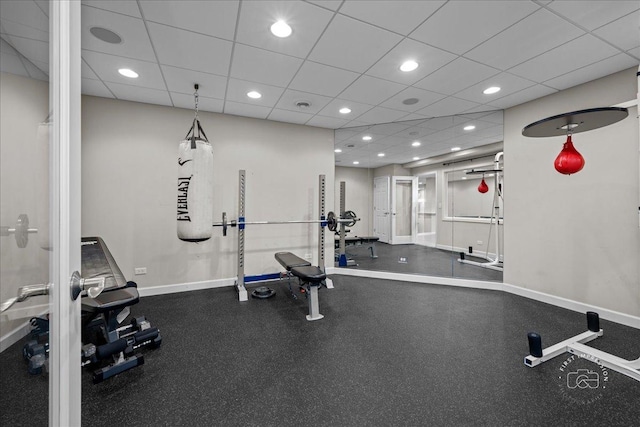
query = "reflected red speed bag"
{"x": 483, "y": 187}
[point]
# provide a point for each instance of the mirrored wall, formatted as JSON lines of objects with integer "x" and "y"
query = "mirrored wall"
{"x": 430, "y": 195}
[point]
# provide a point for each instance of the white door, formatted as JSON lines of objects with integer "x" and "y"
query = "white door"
{"x": 381, "y": 211}
{"x": 404, "y": 195}
{"x": 426, "y": 211}
{"x": 40, "y": 193}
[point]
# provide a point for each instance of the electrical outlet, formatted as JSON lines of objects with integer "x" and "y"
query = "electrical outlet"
{"x": 308, "y": 256}
{"x": 479, "y": 242}
{"x": 140, "y": 270}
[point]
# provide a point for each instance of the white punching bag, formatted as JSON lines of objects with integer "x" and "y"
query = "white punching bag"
{"x": 195, "y": 187}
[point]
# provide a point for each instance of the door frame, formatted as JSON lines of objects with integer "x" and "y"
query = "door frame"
{"x": 393, "y": 238}
{"x": 382, "y": 215}
{"x": 64, "y": 215}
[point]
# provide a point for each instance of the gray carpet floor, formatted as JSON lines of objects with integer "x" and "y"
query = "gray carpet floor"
{"x": 417, "y": 259}
{"x": 386, "y": 354}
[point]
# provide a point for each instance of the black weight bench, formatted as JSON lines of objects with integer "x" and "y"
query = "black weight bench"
{"x": 107, "y": 344}
{"x": 309, "y": 276}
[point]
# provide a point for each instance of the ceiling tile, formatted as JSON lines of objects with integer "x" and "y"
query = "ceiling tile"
{"x": 388, "y": 128}
{"x": 33, "y": 50}
{"x": 125, "y": 7}
{"x": 214, "y": 18}
{"x": 341, "y": 45}
{"x": 447, "y": 106}
{"x": 95, "y": 88}
{"x": 24, "y": 12}
{"x": 7, "y": 48}
{"x": 594, "y": 71}
{"x": 461, "y": 25}
{"x": 525, "y": 95}
{"x": 322, "y": 79}
{"x": 326, "y": 122}
{"x": 35, "y": 72}
{"x": 291, "y": 97}
{"x": 26, "y": 31}
{"x": 424, "y": 98}
{"x": 139, "y": 94}
{"x": 413, "y": 116}
{"x": 371, "y": 90}
{"x": 181, "y": 80}
{"x": 12, "y": 64}
{"x": 289, "y": 116}
{"x": 237, "y": 91}
{"x": 135, "y": 40}
{"x": 107, "y": 66}
{"x": 306, "y": 20}
{"x": 246, "y": 110}
{"x": 592, "y": 14}
{"x": 400, "y": 16}
{"x": 575, "y": 54}
{"x": 381, "y": 115}
{"x": 182, "y": 100}
{"x": 333, "y": 107}
{"x": 635, "y": 52}
{"x": 86, "y": 71}
{"x": 189, "y": 50}
{"x": 328, "y": 4}
{"x": 257, "y": 65}
{"x": 507, "y": 82}
{"x": 622, "y": 33}
{"x": 460, "y": 73}
{"x": 524, "y": 40}
{"x": 429, "y": 58}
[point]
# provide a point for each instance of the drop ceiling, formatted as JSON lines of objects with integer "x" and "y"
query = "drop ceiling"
{"x": 340, "y": 54}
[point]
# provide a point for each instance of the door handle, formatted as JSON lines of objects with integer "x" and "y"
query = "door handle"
{"x": 94, "y": 286}
{"x": 25, "y": 293}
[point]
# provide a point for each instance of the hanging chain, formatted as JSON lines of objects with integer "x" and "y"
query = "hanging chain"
{"x": 196, "y": 100}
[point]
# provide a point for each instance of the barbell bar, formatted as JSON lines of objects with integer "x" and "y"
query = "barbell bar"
{"x": 349, "y": 220}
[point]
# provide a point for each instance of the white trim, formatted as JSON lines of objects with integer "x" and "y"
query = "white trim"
{"x": 185, "y": 287}
{"x": 627, "y": 104}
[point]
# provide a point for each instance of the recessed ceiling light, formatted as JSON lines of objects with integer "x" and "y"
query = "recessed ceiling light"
{"x": 455, "y": 148}
{"x": 105, "y": 35}
{"x": 409, "y": 65}
{"x": 491, "y": 90}
{"x": 415, "y": 143}
{"x": 366, "y": 138}
{"x": 380, "y": 154}
{"x": 356, "y": 162}
{"x": 469, "y": 127}
{"x": 410, "y": 101}
{"x": 464, "y": 177}
{"x": 281, "y": 29}
{"x": 128, "y": 73}
{"x": 337, "y": 150}
{"x": 416, "y": 158}
{"x": 345, "y": 110}
{"x": 255, "y": 95}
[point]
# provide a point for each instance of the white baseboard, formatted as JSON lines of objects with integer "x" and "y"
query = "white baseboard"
{"x": 476, "y": 253}
{"x": 14, "y": 336}
{"x": 148, "y": 291}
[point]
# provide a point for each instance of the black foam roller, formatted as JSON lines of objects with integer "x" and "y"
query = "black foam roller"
{"x": 535, "y": 344}
{"x": 593, "y": 321}
{"x": 147, "y": 334}
{"x": 111, "y": 348}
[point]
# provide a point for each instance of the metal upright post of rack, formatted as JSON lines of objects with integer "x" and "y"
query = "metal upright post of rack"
{"x": 242, "y": 291}
{"x": 342, "y": 260}
{"x": 323, "y": 224}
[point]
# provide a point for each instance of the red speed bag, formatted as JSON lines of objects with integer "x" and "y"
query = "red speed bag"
{"x": 483, "y": 187}
{"x": 569, "y": 160}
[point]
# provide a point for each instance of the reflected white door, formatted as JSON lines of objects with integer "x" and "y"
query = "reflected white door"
{"x": 426, "y": 211}
{"x": 404, "y": 196}
{"x": 381, "y": 210}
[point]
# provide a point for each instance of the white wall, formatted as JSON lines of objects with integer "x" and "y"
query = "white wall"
{"x": 359, "y": 197}
{"x": 129, "y": 155}
{"x": 24, "y": 105}
{"x": 575, "y": 236}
